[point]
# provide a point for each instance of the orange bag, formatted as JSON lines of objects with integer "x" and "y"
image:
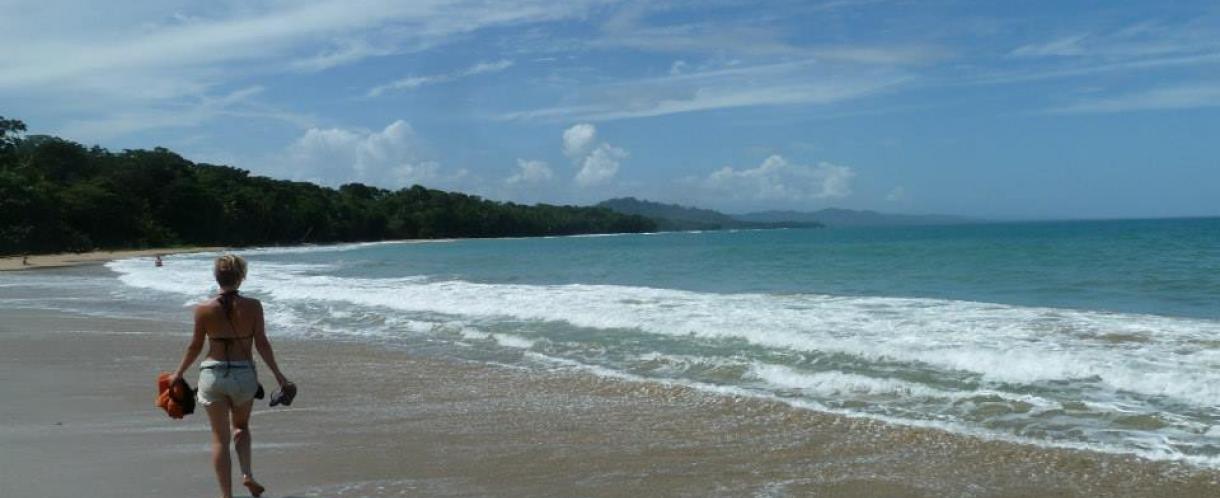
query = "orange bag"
{"x": 177, "y": 400}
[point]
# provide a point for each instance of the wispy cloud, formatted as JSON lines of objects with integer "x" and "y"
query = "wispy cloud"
{"x": 346, "y": 52}
{"x": 263, "y": 35}
{"x": 888, "y": 55}
{"x": 239, "y": 103}
{"x": 1133, "y": 48}
{"x": 1190, "y": 96}
{"x": 413, "y": 82}
{"x": 1042, "y": 73}
{"x": 625, "y": 32}
{"x": 1066, "y": 46}
{"x": 1150, "y": 38}
{"x": 790, "y": 83}
{"x": 115, "y": 71}
{"x": 191, "y": 45}
{"x": 745, "y": 33}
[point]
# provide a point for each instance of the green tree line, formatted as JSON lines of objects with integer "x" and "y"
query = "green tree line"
{"x": 57, "y": 195}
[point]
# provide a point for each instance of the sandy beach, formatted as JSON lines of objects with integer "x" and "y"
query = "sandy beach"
{"x": 36, "y": 261}
{"x": 593, "y": 249}
{"x": 372, "y": 420}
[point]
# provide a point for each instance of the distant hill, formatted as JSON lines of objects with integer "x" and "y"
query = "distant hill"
{"x": 851, "y": 218}
{"x": 670, "y": 217}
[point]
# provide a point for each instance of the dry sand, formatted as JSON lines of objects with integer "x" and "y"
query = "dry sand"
{"x": 77, "y": 420}
{"x": 36, "y": 261}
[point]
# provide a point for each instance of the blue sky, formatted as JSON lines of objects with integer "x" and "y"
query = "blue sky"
{"x": 1001, "y": 109}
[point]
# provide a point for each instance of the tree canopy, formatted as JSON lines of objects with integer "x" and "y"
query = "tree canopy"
{"x": 58, "y": 195}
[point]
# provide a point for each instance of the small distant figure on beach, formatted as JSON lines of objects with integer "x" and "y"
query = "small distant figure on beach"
{"x": 25, "y": 260}
{"x": 158, "y": 262}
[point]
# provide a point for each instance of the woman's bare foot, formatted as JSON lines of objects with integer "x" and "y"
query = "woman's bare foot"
{"x": 255, "y": 488}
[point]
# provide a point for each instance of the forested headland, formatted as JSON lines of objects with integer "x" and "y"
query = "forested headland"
{"x": 676, "y": 217}
{"x": 57, "y": 196}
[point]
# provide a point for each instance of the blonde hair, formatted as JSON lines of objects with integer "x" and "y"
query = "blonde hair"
{"x": 230, "y": 270}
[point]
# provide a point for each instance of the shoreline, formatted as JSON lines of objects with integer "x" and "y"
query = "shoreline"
{"x": 68, "y": 259}
{"x": 60, "y": 260}
{"x": 375, "y": 420}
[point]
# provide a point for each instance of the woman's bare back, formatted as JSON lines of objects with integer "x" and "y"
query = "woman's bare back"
{"x": 230, "y": 337}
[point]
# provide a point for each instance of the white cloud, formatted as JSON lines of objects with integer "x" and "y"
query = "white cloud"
{"x": 577, "y": 139}
{"x": 776, "y": 179}
{"x": 530, "y": 172}
{"x": 413, "y": 82}
{"x": 600, "y": 165}
{"x": 333, "y": 156}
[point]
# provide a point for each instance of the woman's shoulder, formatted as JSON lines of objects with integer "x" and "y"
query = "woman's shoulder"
{"x": 250, "y": 303}
{"x": 206, "y": 307}
{"x": 209, "y": 303}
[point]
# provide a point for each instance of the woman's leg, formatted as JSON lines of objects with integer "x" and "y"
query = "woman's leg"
{"x": 218, "y": 415}
{"x": 241, "y": 436}
{"x": 241, "y": 440}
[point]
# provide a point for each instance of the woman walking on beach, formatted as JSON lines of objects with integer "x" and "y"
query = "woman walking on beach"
{"x": 233, "y": 327}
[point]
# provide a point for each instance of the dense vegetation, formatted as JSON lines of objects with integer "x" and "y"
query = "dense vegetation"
{"x": 57, "y": 195}
{"x": 675, "y": 217}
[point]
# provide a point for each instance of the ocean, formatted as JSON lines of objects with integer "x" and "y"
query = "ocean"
{"x": 1099, "y": 335}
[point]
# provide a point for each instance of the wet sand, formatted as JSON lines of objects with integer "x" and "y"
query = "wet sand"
{"x": 77, "y": 420}
{"x": 36, "y": 261}
{"x": 60, "y": 260}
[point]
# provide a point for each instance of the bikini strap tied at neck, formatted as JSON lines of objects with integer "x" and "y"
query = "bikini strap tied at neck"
{"x": 226, "y": 303}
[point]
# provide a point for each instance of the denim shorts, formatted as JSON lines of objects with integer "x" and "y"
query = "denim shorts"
{"x": 234, "y": 381}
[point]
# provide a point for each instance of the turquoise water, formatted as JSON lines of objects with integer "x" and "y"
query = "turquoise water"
{"x": 1099, "y": 335}
{"x": 1169, "y": 267}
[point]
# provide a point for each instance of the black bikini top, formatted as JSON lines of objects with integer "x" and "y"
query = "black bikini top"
{"x": 226, "y": 302}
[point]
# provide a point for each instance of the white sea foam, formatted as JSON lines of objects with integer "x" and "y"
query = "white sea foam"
{"x": 506, "y": 340}
{"x": 998, "y": 350}
{"x": 513, "y": 341}
{"x": 1002, "y": 344}
{"x": 839, "y": 383}
{"x": 1153, "y": 453}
